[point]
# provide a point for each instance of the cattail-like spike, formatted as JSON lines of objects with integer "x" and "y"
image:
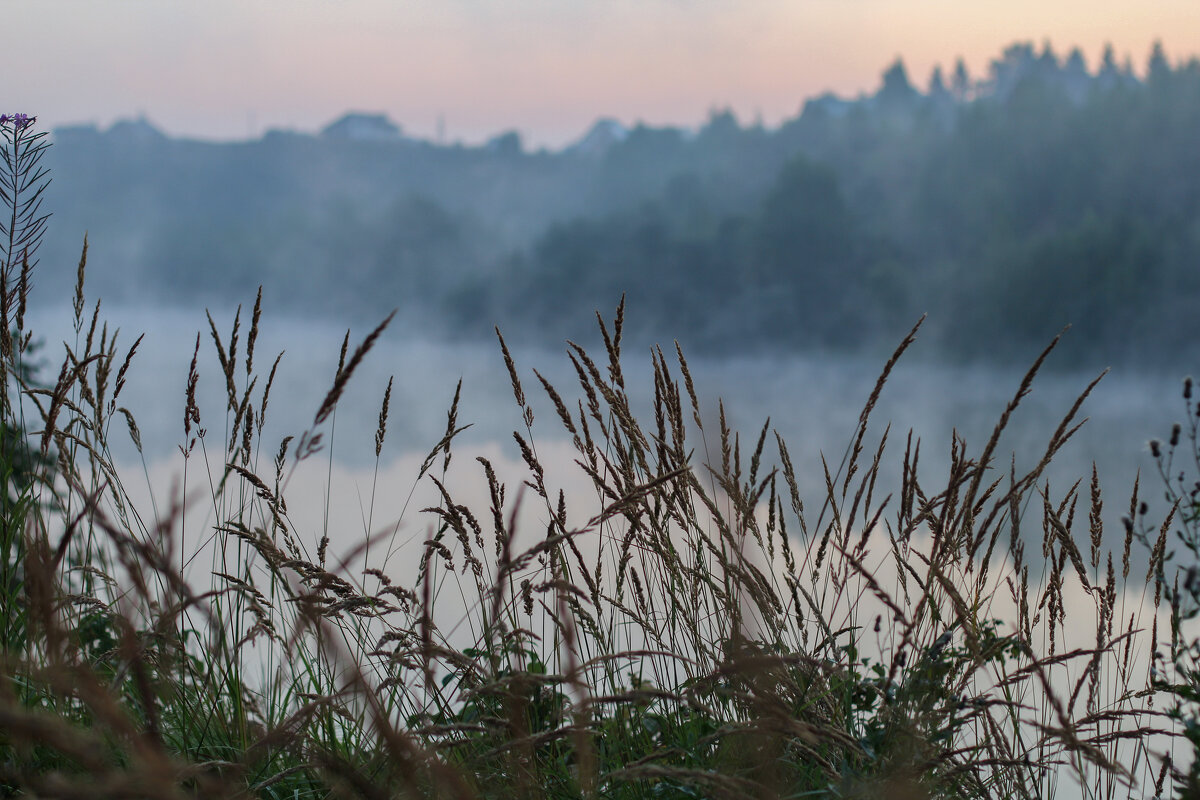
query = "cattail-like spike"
{"x": 253, "y": 337}
{"x": 262, "y": 409}
{"x": 79, "y": 272}
{"x": 346, "y": 370}
{"x": 381, "y": 430}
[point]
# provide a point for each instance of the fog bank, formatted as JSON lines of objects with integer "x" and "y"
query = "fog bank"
{"x": 812, "y": 400}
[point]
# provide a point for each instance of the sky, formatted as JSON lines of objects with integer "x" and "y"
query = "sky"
{"x": 231, "y": 69}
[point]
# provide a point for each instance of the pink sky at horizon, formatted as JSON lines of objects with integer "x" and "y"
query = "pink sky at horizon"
{"x": 230, "y": 69}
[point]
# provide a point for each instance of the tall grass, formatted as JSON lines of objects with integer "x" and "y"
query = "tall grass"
{"x": 694, "y": 630}
{"x": 1177, "y": 659}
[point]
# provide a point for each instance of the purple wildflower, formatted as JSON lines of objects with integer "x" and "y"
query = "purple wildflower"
{"x": 19, "y": 121}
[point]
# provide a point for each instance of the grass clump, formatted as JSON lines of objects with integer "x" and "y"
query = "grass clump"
{"x": 1177, "y": 660}
{"x": 693, "y": 630}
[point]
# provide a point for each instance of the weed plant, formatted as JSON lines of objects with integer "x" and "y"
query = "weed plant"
{"x": 696, "y": 631}
{"x": 1177, "y": 664}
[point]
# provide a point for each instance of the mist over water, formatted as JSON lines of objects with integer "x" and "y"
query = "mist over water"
{"x": 813, "y": 401}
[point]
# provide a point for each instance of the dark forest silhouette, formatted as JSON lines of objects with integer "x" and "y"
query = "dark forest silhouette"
{"x": 1041, "y": 194}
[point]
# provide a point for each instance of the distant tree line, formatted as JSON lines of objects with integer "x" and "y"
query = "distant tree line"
{"x": 1006, "y": 206}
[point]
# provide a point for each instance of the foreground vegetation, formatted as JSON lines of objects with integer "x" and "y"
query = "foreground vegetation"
{"x": 696, "y": 631}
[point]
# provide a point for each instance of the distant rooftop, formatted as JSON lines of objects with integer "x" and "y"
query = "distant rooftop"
{"x": 138, "y": 131}
{"x": 600, "y": 137}
{"x": 362, "y": 127}
{"x": 76, "y": 130}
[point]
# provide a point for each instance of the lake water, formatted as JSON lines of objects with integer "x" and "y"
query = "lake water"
{"x": 813, "y": 401}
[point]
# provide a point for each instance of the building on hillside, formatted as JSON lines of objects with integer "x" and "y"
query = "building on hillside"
{"x": 135, "y": 131}
{"x": 600, "y": 138}
{"x": 361, "y": 127}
